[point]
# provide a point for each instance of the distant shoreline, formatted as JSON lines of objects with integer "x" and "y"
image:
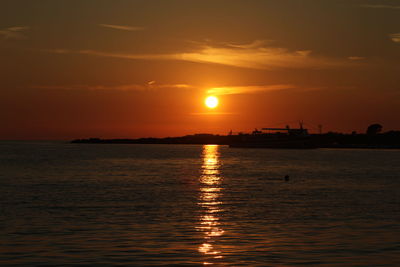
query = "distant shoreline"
{"x": 390, "y": 140}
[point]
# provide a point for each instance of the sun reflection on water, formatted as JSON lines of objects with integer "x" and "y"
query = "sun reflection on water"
{"x": 210, "y": 193}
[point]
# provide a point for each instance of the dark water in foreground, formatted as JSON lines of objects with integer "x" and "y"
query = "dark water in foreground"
{"x": 193, "y": 205}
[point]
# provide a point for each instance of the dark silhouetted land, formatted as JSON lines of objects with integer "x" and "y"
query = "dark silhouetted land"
{"x": 388, "y": 140}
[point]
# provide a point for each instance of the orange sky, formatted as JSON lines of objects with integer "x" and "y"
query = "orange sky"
{"x": 126, "y": 69}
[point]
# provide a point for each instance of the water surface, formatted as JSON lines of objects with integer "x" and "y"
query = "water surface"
{"x": 154, "y": 205}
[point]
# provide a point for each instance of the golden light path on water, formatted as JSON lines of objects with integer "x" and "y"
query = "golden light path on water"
{"x": 209, "y": 195}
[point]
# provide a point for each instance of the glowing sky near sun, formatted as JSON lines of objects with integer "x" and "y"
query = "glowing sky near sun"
{"x": 114, "y": 69}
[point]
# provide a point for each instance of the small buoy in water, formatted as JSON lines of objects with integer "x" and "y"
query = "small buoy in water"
{"x": 286, "y": 178}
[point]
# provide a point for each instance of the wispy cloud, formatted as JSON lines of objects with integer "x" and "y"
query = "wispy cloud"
{"x": 255, "y": 55}
{"x": 381, "y": 6}
{"x": 122, "y": 27}
{"x": 213, "y": 113}
{"x": 152, "y": 85}
{"x": 230, "y": 90}
{"x": 356, "y": 58}
{"x": 395, "y": 37}
{"x": 114, "y": 55}
{"x": 16, "y": 32}
{"x": 254, "y": 44}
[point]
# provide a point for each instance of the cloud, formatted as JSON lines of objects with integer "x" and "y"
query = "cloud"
{"x": 58, "y": 51}
{"x": 153, "y": 86}
{"x": 258, "y": 54}
{"x": 117, "y": 55}
{"x": 213, "y": 113}
{"x": 123, "y": 87}
{"x": 255, "y": 55}
{"x": 230, "y": 90}
{"x": 381, "y": 6}
{"x": 15, "y": 32}
{"x": 395, "y": 37}
{"x": 254, "y": 44}
{"x": 356, "y": 58}
{"x": 122, "y": 27}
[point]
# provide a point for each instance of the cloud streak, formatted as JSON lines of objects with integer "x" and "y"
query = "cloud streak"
{"x": 395, "y": 37}
{"x": 123, "y": 87}
{"x": 213, "y": 113}
{"x": 122, "y": 27}
{"x": 356, "y": 58}
{"x": 255, "y": 55}
{"x": 16, "y": 32}
{"x": 381, "y": 6}
{"x": 154, "y": 86}
{"x": 230, "y": 90}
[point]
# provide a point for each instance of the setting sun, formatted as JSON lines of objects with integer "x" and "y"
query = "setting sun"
{"x": 211, "y": 102}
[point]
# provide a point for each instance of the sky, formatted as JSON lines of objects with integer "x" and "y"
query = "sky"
{"x": 129, "y": 68}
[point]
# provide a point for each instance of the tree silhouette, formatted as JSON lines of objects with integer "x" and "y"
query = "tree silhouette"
{"x": 373, "y": 129}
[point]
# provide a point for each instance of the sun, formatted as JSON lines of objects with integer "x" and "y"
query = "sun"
{"x": 211, "y": 102}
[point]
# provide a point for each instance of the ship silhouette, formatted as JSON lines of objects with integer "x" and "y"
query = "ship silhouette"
{"x": 297, "y": 138}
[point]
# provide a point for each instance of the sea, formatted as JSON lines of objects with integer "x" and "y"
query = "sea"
{"x": 193, "y": 205}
